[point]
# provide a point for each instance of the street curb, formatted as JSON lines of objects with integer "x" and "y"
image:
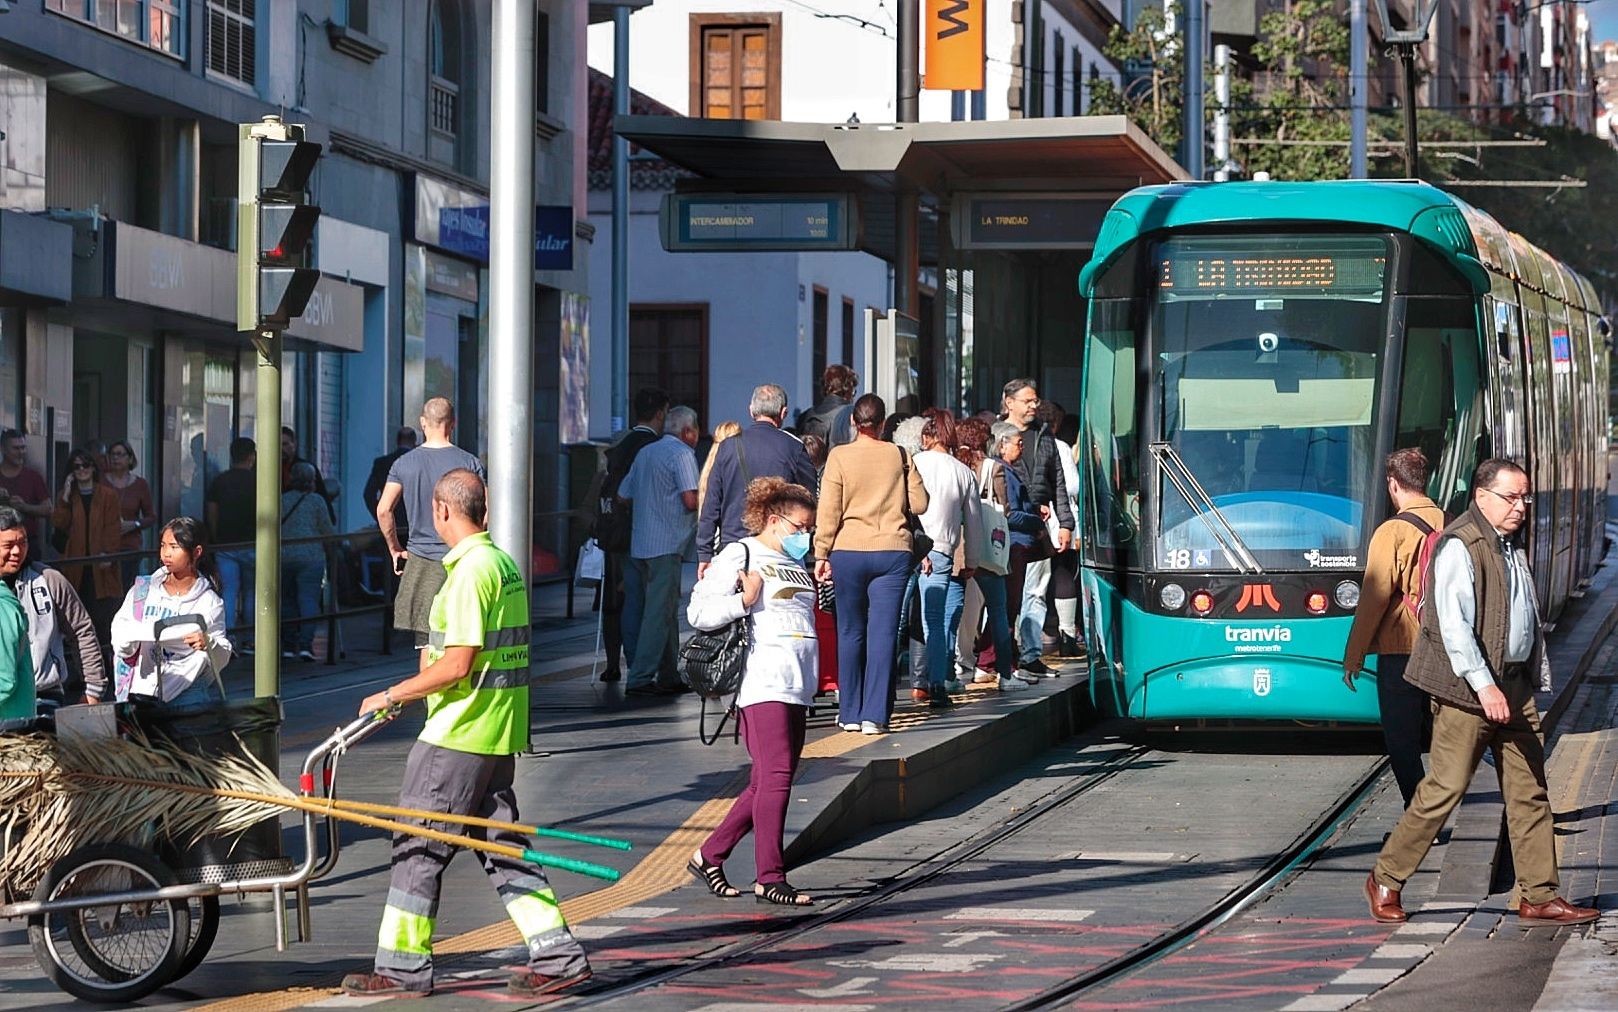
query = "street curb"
{"x": 903, "y": 788}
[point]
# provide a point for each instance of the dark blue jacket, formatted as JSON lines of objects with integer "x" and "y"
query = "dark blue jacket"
{"x": 768, "y": 452}
{"x": 1022, "y": 516}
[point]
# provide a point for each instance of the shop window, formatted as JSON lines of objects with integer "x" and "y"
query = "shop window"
{"x": 736, "y": 66}
{"x": 355, "y": 14}
{"x": 449, "y": 73}
{"x": 668, "y": 348}
{"x": 231, "y": 40}
{"x": 157, "y": 24}
{"x": 542, "y": 62}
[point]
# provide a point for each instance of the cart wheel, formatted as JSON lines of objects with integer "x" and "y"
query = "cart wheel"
{"x": 115, "y": 953}
{"x": 204, "y": 927}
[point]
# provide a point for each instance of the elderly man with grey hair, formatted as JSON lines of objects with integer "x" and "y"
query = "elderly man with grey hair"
{"x": 661, "y": 492}
{"x": 761, "y": 450}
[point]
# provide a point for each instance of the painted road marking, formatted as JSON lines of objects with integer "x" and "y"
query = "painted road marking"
{"x": 347, "y": 1001}
{"x": 966, "y": 937}
{"x": 1426, "y": 928}
{"x": 927, "y": 962}
{"x": 1127, "y": 856}
{"x": 741, "y": 1006}
{"x": 1376, "y": 975}
{"x": 1414, "y": 950}
{"x": 1019, "y": 914}
{"x": 592, "y": 932}
{"x": 847, "y": 989}
{"x": 1323, "y": 1002}
{"x": 644, "y": 913}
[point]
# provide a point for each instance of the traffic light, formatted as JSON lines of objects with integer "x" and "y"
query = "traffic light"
{"x": 275, "y": 226}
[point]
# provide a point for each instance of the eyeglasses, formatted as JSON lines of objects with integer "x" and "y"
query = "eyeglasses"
{"x": 1026, "y": 400}
{"x": 798, "y": 528}
{"x": 83, "y": 465}
{"x": 1515, "y": 500}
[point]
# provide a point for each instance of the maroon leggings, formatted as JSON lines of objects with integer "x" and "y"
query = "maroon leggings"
{"x": 773, "y": 733}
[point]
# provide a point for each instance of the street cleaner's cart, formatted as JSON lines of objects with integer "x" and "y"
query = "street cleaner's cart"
{"x": 110, "y": 847}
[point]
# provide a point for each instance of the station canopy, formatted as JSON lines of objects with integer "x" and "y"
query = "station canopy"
{"x": 1099, "y": 157}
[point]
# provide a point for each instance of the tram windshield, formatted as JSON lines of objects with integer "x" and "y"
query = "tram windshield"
{"x": 1265, "y": 359}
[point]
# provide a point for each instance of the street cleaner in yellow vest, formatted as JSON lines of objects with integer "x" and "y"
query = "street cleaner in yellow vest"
{"x": 476, "y": 688}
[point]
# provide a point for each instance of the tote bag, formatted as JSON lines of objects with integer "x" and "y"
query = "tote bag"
{"x": 994, "y": 548}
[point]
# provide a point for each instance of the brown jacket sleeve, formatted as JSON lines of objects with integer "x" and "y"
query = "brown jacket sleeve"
{"x": 1378, "y": 592}
{"x": 829, "y": 511}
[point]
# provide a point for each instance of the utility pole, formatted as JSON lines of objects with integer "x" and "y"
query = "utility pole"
{"x": 620, "y": 221}
{"x": 511, "y": 283}
{"x": 1195, "y": 119}
{"x": 1221, "y": 130}
{"x": 1358, "y": 79}
{"x": 907, "y": 109}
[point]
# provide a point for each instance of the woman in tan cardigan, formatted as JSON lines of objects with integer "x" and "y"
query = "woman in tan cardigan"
{"x": 89, "y": 511}
{"x": 862, "y": 544}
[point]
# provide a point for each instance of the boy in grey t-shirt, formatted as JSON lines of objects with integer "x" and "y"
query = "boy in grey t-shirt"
{"x": 411, "y": 480}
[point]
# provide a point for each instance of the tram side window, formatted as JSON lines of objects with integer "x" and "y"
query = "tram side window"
{"x": 1110, "y": 447}
{"x": 1441, "y": 394}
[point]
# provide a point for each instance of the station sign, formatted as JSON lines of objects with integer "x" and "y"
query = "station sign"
{"x": 1027, "y": 221}
{"x": 759, "y": 222}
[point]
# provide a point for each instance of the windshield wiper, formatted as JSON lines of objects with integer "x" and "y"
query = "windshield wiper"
{"x": 1173, "y": 465}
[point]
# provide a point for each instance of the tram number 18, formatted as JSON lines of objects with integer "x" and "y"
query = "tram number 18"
{"x": 1178, "y": 558}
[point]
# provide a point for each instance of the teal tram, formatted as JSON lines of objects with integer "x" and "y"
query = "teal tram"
{"x": 1253, "y": 353}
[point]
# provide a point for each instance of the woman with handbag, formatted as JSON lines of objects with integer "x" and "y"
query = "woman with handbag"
{"x": 762, "y": 579}
{"x": 177, "y": 667}
{"x": 1022, "y": 519}
{"x": 951, "y": 520}
{"x": 865, "y": 532}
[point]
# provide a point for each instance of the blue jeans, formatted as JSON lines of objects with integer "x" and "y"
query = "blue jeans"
{"x": 236, "y": 582}
{"x": 1031, "y": 623}
{"x": 943, "y": 596}
{"x": 202, "y": 694}
{"x": 870, "y": 588}
{"x": 300, "y": 598}
{"x": 993, "y": 588}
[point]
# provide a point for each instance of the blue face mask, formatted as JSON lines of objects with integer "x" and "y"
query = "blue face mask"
{"x": 796, "y": 544}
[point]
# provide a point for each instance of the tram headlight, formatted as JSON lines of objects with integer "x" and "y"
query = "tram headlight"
{"x": 1347, "y": 594}
{"x": 1202, "y": 602}
{"x": 1171, "y": 596}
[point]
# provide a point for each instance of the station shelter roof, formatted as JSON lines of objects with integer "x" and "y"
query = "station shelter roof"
{"x": 1101, "y": 156}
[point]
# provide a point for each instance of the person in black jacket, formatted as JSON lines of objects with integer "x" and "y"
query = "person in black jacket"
{"x": 404, "y": 441}
{"x": 1041, "y": 471}
{"x": 621, "y": 601}
{"x": 761, "y": 450}
{"x": 832, "y": 418}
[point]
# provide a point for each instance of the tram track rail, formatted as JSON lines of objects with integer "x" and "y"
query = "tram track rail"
{"x": 1273, "y": 874}
{"x": 909, "y": 879}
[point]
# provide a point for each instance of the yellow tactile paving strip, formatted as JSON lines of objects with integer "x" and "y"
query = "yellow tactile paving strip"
{"x": 661, "y": 871}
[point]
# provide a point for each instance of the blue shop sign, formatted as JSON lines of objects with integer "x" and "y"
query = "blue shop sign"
{"x": 553, "y": 238}
{"x": 465, "y": 230}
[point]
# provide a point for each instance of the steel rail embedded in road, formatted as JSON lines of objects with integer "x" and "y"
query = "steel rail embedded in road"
{"x": 1274, "y": 873}
{"x": 904, "y": 881}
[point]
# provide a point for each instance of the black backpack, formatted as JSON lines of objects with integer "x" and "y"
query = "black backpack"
{"x": 613, "y": 523}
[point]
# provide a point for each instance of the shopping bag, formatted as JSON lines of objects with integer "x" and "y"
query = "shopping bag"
{"x": 592, "y": 567}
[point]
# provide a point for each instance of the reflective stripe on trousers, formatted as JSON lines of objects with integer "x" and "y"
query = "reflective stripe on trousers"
{"x": 444, "y": 780}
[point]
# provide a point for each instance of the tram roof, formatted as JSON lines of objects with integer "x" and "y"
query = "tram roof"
{"x": 1469, "y": 237}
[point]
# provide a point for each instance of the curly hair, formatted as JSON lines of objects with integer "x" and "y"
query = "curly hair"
{"x": 971, "y": 436}
{"x": 769, "y": 496}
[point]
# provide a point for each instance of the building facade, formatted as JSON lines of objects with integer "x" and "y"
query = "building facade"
{"x": 118, "y": 134}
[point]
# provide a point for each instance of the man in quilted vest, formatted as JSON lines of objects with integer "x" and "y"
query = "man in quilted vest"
{"x": 1478, "y": 654}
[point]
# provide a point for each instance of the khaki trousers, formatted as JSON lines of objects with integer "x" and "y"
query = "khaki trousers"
{"x": 1459, "y": 739}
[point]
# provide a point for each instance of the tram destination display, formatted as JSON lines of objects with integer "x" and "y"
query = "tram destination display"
{"x": 718, "y": 222}
{"x": 1331, "y": 266}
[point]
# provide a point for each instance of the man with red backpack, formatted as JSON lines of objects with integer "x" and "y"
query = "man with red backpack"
{"x": 1389, "y": 612}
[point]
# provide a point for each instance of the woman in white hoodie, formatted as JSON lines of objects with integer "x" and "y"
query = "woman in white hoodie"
{"x": 764, "y": 577}
{"x": 178, "y": 667}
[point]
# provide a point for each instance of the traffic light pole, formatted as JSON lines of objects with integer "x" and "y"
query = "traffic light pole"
{"x": 511, "y": 283}
{"x": 267, "y": 537}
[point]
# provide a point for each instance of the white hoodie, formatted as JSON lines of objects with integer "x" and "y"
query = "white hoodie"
{"x": 783, "y": 659}
{"x": 136, "y": 652}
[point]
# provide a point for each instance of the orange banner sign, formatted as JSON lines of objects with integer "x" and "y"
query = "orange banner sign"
{"x": 953, "y": 32}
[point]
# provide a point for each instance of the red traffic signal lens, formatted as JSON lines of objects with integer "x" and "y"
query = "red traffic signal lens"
{"x": 1316, "y": 603}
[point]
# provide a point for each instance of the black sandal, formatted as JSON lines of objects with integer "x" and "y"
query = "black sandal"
{"x": 712, "y": 876}
{"x": 781, "y": 894}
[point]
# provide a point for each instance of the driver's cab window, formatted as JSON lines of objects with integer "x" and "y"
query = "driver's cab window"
{"x": 1441, "y": 401}
{"x": 1109, "y": 447}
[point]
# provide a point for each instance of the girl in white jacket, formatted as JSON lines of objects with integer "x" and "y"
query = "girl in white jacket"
{"x": 764, "y": 577}
{"x": 179, "y": 667}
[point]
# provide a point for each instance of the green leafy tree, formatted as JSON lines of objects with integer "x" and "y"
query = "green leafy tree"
{"x": 1154, "y": 63}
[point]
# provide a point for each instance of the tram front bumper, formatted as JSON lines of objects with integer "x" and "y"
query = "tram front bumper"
{"x": 1253, "y": 687}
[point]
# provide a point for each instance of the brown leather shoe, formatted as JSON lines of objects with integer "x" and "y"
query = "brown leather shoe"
{"x": 1384, "y": 902}
{"x": 1557, "y": 911}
